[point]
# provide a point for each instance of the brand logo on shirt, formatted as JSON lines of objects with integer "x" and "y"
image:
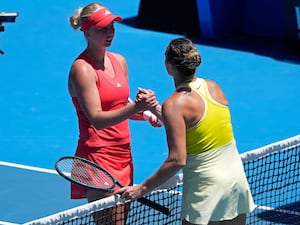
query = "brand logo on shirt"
{"x": 119, "y": 85}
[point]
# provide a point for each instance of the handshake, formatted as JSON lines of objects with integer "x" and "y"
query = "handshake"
{"x": 153, "y": 115}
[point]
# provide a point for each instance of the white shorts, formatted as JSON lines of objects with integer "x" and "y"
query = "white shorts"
{"x": 215, "y": 187}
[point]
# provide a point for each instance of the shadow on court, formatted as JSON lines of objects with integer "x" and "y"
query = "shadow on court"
{"x": 270, "y": 47}
{"x": 288, "y": 214}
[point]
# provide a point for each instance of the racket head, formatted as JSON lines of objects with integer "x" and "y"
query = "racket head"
{"x": 85, "y": 173}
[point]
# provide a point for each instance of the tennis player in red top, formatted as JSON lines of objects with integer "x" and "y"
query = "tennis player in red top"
{"x": 98, "y": 85}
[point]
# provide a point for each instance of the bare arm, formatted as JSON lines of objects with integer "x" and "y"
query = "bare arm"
{"x": 82, "y": 85}
{"x": 175, "y": 131}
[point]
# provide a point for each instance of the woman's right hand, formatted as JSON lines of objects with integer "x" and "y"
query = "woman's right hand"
{"x": 146, "y": 99}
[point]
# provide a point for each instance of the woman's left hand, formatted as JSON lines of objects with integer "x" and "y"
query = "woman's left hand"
{"x": 130, "y": 192}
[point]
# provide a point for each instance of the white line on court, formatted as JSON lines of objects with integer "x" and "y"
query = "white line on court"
{"x": 7, "y": 223}
{"x": 27, "y": 168}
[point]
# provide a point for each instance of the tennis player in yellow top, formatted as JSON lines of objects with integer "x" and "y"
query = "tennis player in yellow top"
{"x": 201, "y": 142}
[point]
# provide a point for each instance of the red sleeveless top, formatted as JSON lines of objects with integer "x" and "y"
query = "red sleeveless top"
{"x": 113, "y": 94}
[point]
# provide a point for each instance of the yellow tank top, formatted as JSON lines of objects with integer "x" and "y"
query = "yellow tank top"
{"x": 214, "y": 129}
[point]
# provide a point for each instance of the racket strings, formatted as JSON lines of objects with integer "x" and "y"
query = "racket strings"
{"x": 101, "y": 179}
{"x": 88, "y": 175}
{"x": 80, "y": 173}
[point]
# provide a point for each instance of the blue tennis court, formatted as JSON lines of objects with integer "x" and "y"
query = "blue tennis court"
{"x": 38, "y": 122}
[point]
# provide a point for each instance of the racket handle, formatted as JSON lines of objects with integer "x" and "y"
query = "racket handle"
{"x": 155, "y": 205}
{"x": 149, "y": 115}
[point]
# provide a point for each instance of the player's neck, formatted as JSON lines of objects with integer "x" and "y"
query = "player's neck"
{"x": 97, "y": 57}
{"x": 184, "y": 80}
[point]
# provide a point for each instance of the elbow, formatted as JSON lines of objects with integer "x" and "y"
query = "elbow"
{"x": 98, "y": 124}
{"x": 178, "y": 164}
{"x": 98, "y": 127}
{"x": 177, "y": 161}
{"x": 95, "y": 123}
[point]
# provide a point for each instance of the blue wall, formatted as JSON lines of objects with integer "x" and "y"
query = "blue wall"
{"x": 223, "y": 18}
{"x": 263, "y": 18}
{"x": 219, "y": 18}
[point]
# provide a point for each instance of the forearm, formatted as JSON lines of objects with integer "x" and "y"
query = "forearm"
{"x": 137, "y": 116}
{"x": 104, "y": 119}
{"x": 164, "y": 173}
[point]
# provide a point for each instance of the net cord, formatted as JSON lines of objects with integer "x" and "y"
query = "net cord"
{"x": 271, "y": 148}
{"x": 77, "y": 212}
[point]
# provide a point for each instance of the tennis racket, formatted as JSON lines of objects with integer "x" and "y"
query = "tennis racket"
{"x": 90, "y": 175}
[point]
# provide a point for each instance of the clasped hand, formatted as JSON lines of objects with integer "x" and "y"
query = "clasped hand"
{"x": 148, "y": 97}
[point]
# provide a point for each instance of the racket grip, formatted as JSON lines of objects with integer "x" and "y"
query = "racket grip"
{"x": 148, "y": 115}
{"x": 155, "y": 205}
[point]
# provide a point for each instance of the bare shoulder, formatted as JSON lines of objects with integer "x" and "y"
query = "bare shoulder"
{"x": 81, "y": 73}
{"x": 119, "y": 56}
{"x": 80, "y": 66}
{"x": 174, "y": 104}
{"x": 216, "y": 92}
{"x": 172, "y": 112}
{"x": 212, "y": 84}
{"x": 168, "y": 105}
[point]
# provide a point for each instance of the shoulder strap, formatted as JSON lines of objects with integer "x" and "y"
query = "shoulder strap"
{"x": 115, "y": 63}
{"x": 86, "y": 58}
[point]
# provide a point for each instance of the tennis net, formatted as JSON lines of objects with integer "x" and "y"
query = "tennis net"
{"x": 273, "y": 173}
{"x": 273, "y": 176}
